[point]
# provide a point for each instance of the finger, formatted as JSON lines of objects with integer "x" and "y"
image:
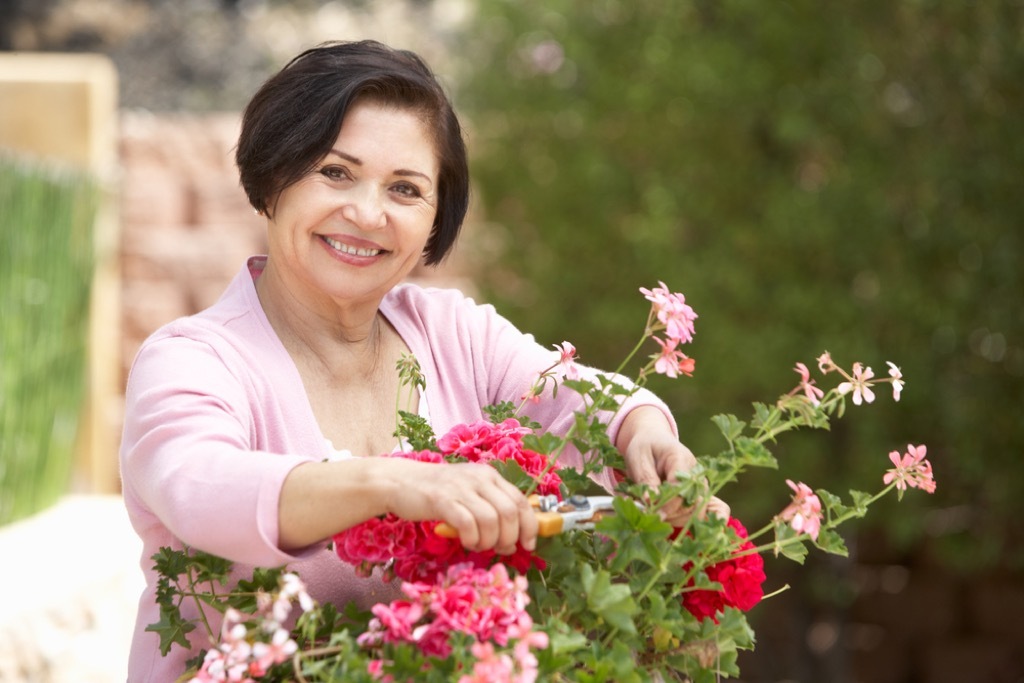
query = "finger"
{"x": 640, "y": 468}
{"x": 719, "y": 507}
{"x": 676, "y": 460}
{"x": 676, "y": 514}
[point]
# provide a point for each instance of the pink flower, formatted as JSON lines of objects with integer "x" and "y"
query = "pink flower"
{"x": 672, "y": 361}
{"x": 489, "y": 666}
{"x": 278, "y": 650}
{"x": 813, "y": 393}
{"x": 567, "y": 360}
{"x": 859, "y": 384}
{"x": 672, "y": 311}
{"x": 483, "y": 603}
{"x": 897, "y": 380}
{"x": 825, "y": 363}
{"x": 911, "y": 470}
{"x": 804, "y": 512}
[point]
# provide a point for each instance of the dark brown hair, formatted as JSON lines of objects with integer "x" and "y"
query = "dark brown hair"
{"x": 294, "y": 118}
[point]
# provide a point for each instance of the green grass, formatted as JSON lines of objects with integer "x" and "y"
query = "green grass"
{"x": 46, "y": 255}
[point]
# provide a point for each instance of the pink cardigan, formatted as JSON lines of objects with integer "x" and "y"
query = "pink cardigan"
{"x": 216, "y": 417}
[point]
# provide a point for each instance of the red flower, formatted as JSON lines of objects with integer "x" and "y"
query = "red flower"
{"x": 741, "y": 577}
{"x": 412, "y": 551}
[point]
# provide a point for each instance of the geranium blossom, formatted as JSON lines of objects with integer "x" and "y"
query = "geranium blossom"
{"x": 412, "y": 551}
{"x": 486, "y": 604}
{"x": 804, "y": 512}
{"x": 566, "y": 361}
{"x": 911, "y": 470}
{"x": 859, "y": 384}
{"x": 236, "y": 660}
{"x": 741, "y": 577}
{"x": 672, "y": 361}
{"x": 825, "y": 363}
{"x": 672, "y": 311}
{"x": 897, "y": 380}
{"x": 813, "y": 393}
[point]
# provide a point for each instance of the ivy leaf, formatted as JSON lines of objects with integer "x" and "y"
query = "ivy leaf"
{"x": 172, "y": 629}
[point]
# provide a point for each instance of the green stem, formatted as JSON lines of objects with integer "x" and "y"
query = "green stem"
{"x": 199, "y": 603}
{"x": 636, "y": 348}
{"x": 799, "y": 538}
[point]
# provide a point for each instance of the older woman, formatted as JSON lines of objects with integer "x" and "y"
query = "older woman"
{"x": 250, "y": 426}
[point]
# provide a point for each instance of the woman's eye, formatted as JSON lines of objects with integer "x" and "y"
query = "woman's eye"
{"x": 334, "y": 172}
{"x": 407, "y": 190}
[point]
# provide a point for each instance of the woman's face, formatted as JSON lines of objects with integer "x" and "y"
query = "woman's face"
{"x": 356, "y": 225}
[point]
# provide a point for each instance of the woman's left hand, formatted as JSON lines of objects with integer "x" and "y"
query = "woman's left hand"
{"x": 654, "y": 455}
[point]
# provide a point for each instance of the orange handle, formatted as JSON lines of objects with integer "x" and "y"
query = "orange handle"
{"x": 548, "y": 524}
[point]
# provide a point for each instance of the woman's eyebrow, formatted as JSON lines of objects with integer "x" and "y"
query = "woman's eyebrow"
{"x": 400, "y": 171}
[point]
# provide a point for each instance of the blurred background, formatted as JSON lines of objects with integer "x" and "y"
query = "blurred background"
{"x": 812, "y": 175}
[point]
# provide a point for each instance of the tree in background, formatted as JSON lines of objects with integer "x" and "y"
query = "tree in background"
{"x": 813, "y": 176}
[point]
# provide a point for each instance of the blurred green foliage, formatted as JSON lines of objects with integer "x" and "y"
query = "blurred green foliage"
{"x": 46, "y": 222}
{"x": 812, "y": 176}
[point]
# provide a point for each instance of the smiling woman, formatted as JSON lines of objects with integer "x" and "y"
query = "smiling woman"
{"x": 250, "y": 426}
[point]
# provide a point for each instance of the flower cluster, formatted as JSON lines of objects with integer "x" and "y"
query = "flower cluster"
{"x": 484, "y": 604}
{"x": 858, "y": 381}
{"x": 675, "y": 317}
{"x": 245, "y": 652}
{"x": 804, "y": 512}
{"x": 741, "y": 577}
{"x": 413, "y": 551}
{"x": 911, "y": 470}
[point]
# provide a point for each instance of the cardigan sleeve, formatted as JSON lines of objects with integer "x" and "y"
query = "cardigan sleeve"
{"x": 188, "y": 457}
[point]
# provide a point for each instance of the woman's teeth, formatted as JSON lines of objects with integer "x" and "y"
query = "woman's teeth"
{"x": 354, "y": 251}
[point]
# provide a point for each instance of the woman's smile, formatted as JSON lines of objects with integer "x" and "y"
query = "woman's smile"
{"x": 361, "y": 252}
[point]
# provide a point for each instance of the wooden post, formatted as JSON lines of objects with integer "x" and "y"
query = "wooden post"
{"x": 62, "y": 109}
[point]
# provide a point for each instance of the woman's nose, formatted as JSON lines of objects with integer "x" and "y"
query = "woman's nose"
{"x": 364, "y": 207}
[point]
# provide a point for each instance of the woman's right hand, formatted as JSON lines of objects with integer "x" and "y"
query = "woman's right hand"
{"x": 320, "y": 499}
{"x": 486, "y": 510}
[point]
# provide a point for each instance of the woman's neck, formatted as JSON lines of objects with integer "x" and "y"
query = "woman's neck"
{"x": 337, "y": 336}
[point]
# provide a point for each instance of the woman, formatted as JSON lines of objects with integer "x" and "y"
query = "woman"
{"x": 249, "y": 427}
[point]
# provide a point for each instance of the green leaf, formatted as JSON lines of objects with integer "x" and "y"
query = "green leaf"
{"x": 170, "y": 563}
{"x": 861, "y": 501}
{"x": 640, "y": 535}
{"x": 729, "y": 426}
{"x": 754, "y": 453}
{"x": 513, "y": 472}
{"x": 172, "y": 629}
{"x": 786, "y": 546}
{"x": 416, "y": 431}
{"x": 209, "y": 568}
{"x": 612, "y": 602}
{"x": 562, "y": 643}
{"x": 831, "y": 542}
{"x": 545, "y": 443}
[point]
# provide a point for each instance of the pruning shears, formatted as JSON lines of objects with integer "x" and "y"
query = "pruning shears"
{"x": 557, "y": 516}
